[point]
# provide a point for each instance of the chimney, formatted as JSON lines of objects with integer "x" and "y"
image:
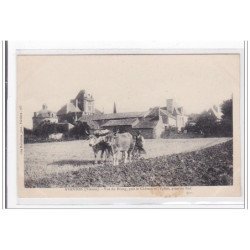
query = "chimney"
{"x": 170, "y": 105}
{"x": 44, "y": 106}
{"x": 34, "y": 114}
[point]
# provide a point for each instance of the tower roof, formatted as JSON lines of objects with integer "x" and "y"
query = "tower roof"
{"x": 68, "y": 108}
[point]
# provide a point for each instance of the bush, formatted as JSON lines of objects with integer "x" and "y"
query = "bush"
{"x": 207, "y": 124}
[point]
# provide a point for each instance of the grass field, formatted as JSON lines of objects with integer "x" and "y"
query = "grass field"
{"x": 171, "y": 162}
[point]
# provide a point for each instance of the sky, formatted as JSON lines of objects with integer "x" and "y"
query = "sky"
{"x": 133, "y": 82}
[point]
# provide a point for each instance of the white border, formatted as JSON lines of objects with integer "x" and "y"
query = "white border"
{"x": 113, "y": 48}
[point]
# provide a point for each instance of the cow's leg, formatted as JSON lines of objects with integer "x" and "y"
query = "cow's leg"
{"x": 106, "y": 151}
{"x": 108, "y": 154}
{"x": 102, "y": 156}
{"x": 114, "y": 159}
{"x": 95, "y": 153}
{"x": 130, "y": 156}
{"x": 125, "y": 156}
{"x": 117, "y": 159}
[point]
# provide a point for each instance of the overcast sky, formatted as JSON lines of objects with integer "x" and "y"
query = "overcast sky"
{"x": 135, "y": 82}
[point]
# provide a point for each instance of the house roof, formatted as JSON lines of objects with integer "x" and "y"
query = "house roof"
{"x": 44, "y": 113}
{"x": 146, "y": 123}
{"x": 68, "y": 108}
{"x": 113, "y": 116}
{"x": 119, "y": 122}
{"x": 164, "y": 113}
{"x": 153, "y": 112}
{"x": 93, "y": 125}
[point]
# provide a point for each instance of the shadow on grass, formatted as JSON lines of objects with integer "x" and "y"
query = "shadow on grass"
{"x": 72, "y": 162}
{"x": 78, "y": 162}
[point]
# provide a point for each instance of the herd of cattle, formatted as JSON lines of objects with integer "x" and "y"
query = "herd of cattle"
{"x": 114, "y": 145}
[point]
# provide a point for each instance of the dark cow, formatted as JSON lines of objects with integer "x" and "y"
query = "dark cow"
{"x": 99, "y": 144}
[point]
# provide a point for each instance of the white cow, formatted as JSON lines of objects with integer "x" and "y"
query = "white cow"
{"x": 121, "y": 143}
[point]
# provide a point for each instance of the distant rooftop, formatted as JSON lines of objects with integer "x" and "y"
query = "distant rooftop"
{"x": 112, "y": 116}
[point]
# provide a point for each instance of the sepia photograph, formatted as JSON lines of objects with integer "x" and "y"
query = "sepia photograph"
{"x": 133, "y": 121}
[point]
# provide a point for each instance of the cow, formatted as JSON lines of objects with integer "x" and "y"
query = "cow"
{"x": 120, "y": 143}
{"x": 99, "y": 144}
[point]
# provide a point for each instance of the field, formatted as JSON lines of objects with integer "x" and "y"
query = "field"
{"x": 169, "y": 162}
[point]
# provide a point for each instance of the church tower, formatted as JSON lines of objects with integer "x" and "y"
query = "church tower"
{"x": 114, "y": 109}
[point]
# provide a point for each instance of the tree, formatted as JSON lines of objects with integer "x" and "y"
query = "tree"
{"x": 207, "y": 124}
{"x": 45, "y": 128}
{"x": 80, "y": 130}
{"x": 227, "y": 117}
{"x": 227, "y": 109}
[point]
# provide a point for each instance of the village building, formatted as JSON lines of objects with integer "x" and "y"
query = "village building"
{"x": 44, "y": 115}
{"x": 153, "y": 123}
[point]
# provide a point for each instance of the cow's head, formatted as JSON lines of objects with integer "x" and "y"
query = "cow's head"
{"x": 109, "y": 139}
{"x": 93, "y": 140}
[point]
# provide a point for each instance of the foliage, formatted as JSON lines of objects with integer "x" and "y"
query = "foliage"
{"x": 227, "y": 117}
{"x": 45, "y": 128}
{"x": 227, "y": 109}
{"x": 79, "y": 131}
{"x": 207, "y": 124}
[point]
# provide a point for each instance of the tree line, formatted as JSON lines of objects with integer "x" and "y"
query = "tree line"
{"x": 208, "y": 124}
{"x": 46, "y": 128}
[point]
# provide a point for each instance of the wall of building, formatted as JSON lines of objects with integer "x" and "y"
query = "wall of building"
{"x": 70, "y": 117}
{"x": 181, "y": 121}
{"x": 122, "y": 129}
{"x": 159, "y": 129}
{"x": 88, "y": 107}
